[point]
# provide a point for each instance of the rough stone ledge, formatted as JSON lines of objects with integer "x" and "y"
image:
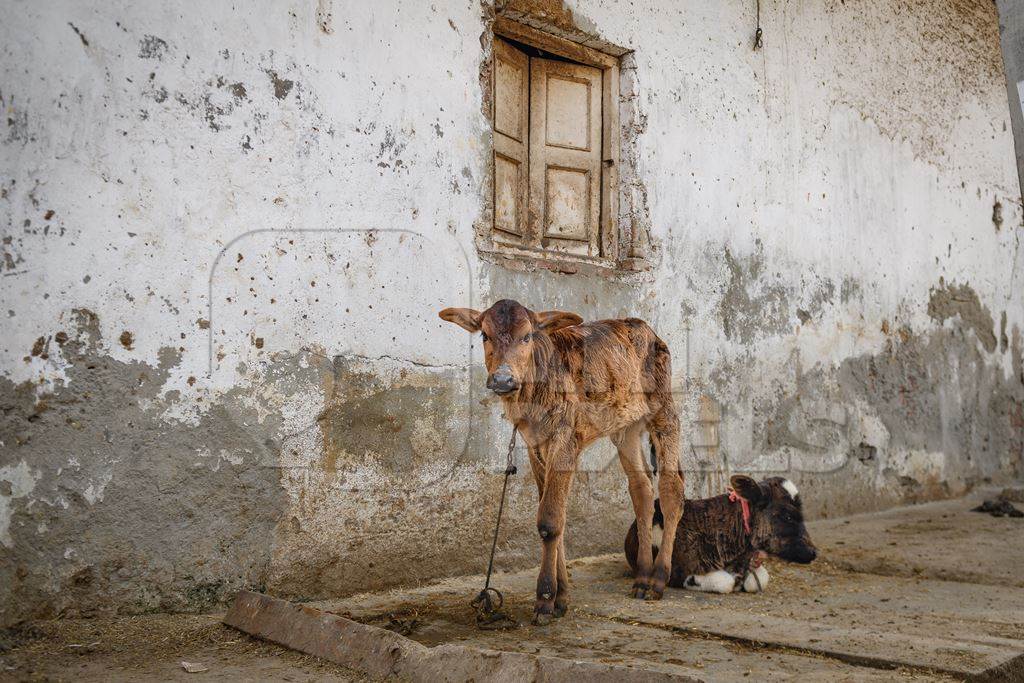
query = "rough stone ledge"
{"x": 381, "y": 653}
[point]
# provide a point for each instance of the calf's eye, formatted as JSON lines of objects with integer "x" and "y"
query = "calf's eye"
{"x": 483, "y": 336}
{"x": 526, "y": 339}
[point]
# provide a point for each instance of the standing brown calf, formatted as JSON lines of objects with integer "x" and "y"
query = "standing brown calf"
{"x": 564, "y": 384}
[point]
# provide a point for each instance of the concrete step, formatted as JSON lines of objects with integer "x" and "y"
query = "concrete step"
{"x": 382, "y": 654}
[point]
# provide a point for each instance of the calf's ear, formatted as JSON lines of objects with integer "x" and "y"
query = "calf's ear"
{"x": 466, "y": 318}
{"x": 748, "y": 488}
{"x": 549, "y": 321}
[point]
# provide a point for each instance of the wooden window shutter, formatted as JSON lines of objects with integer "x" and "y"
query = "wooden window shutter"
{"x": 565, "y": 156}
{"x": 511, "y": 139}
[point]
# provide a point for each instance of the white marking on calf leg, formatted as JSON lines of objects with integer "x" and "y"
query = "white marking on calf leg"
{"x": 719, "y": 581}
{"x": 790, "y": 488}
{"x": 656, "y": 535}
{"x": 750, "y": 583}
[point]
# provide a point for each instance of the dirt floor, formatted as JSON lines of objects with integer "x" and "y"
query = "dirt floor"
{"x": 924, "y": 593}
{"x": 153, "y": 647}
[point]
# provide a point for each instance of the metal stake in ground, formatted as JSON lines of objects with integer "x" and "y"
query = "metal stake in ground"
{"x": 489, "y": 614}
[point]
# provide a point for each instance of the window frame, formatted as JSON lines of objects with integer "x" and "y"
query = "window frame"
{"x": 609, "y": 237}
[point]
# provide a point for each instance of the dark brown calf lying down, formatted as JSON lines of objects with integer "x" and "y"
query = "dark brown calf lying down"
{"x": 717, "y": 550}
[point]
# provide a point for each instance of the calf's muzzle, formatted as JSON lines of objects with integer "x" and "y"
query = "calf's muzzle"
{"x": 501, "y": 381}
{"x": 803, "y": 553}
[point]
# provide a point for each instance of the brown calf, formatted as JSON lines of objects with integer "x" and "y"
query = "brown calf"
{"x": 564, "y": 384}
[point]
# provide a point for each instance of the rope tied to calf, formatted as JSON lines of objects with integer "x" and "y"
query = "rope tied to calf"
{"x": 489, "y": 614}
{"x": 753, "y": 563}
{"x": 754, "y": 558}
{"x": 745, "y": 505}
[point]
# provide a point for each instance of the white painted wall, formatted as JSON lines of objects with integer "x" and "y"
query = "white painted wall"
{"x": 148, "y": 195}
{"x": 740, "y": 146}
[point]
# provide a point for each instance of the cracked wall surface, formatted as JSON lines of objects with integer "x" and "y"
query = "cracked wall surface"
{"x": 227, "y": 231}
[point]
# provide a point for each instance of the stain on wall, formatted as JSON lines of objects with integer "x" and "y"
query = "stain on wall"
{"x": 949, "y": 301}
{"x": 133, "y": 513}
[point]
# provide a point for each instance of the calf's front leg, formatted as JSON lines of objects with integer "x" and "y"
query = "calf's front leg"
{"x": 562, "y": 591}
{"x": 551, "y": 527}
{"x": 562, "y": 595}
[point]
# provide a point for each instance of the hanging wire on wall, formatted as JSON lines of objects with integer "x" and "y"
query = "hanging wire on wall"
{"x": 757, "y": 33}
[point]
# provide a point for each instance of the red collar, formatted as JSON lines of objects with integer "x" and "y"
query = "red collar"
{"x": 733, "y": 497}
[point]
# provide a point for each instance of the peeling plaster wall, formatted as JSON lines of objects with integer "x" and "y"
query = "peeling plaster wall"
{"x": 226, "y": 233}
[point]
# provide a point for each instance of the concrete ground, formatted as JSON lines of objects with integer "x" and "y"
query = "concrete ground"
{"x": 930, "y": 592}
{"x": 925, "y": 593}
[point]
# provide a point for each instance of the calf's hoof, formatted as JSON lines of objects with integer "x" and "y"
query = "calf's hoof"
{"x": 654, "y": 594}
{"x": 560, "y": 609}
{"x": 657, "y": 586}
{"x": 544, "y": 609}
{"x": 543, "y": 618}
{"x": 640, "y": 590}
